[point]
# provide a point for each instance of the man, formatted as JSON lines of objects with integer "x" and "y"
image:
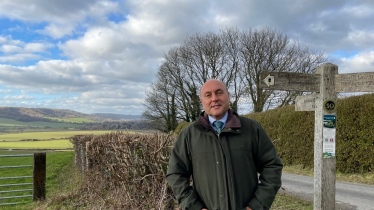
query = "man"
{"x": 223, "y": 159}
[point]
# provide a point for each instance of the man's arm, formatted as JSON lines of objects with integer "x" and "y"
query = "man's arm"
{"x": 270, "y": 167}
{"x": 179, "y": 173}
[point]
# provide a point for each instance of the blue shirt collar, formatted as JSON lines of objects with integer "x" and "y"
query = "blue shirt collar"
{"x": 224, "y": 119}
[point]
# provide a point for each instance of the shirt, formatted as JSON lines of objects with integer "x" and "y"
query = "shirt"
{"x": 212, "y": 120}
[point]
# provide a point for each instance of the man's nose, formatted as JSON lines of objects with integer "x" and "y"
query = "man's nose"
{"x": 214, "y": 97}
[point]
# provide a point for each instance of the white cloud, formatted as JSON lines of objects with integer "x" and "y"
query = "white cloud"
{"x": 37, "y": 47}
{"x": 5, "y": 91}
{"x": 62, "y": 16}
{"x": 10, "y": 48}
{"x": 69, "y": 77}
{"x": 360, "y": 11}
{"x": 18, "y": 51}
{"x": 17, "y": 58}
{"x": 19, "y": 97}
{"x": 361, "y": 39}
{"x": 57, "y": 31}
{"x": 2, "y": 39}
{"x": 362, "y": 62}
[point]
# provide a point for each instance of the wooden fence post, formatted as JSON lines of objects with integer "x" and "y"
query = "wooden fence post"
{"x": 88, "y": 161}
{"x": 39, "y": 176}
{"x": 324, "y": 168}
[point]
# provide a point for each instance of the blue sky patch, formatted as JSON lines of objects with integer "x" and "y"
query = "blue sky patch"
{"x": 344, "y": 54}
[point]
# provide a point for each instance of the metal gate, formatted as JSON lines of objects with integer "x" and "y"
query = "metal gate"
{"x": 7, "y": 193}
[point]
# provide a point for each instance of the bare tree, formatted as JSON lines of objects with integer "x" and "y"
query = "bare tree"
{"x": 160, "y": 106}
{"x": 270, "y": 50}
{"x": 235, "y": 83}
{"x": 235, "y": 57}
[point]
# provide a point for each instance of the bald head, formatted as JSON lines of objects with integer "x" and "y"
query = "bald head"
{"x": 215, "y": 98}
{"x": 207, "y": 83}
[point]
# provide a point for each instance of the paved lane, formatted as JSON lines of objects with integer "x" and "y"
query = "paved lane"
{"x": 348, "y": 195}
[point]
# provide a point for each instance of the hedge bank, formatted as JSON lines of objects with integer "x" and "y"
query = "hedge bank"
{"x": 293, "y": 134}
{"x": 125, "y": 170}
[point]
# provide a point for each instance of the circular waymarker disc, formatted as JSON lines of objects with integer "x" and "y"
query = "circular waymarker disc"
{"x": 329, "y": 105}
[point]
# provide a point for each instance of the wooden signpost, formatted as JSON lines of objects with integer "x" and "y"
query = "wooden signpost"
{"x": 326, "y": 82}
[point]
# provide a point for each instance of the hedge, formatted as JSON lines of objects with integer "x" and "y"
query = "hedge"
{"x": 293, "y": 134}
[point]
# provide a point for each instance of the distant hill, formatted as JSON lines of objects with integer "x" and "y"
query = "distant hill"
{"x": 120, "y": 116}
{"x": 46, "y": 115}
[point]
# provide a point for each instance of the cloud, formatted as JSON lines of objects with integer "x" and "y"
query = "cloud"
{"x": 62, "y": 16}
{"x": 37, "y": 47}
{"x": 58, "y": 77}
{"x": 361, "y": 39}
{"x": 10, "y": 48}
{"x": 5, "y": 91}
{"x": 2, "y": 39}
{"x": 57, "y": 31}
{"x": 19, "y": 97}
{"x": 17, "y": 58}
{"x": 362, "y": 62}
{"x": 18, "y": 51}
{"x": 113, "y": 52}
{"x": 119, "y": 105}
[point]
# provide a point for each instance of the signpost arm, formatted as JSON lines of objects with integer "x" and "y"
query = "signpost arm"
{"x": 324, "y": 168}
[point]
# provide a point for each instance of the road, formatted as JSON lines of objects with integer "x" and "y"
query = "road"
{"x": 348, "y": 195}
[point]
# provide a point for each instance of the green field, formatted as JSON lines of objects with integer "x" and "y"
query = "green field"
{"x": 51, "y": 144}
{"x": 47, "y": 135}
{"x": 72, "y": 120}
{"x": 14, "y": 123}
{"x": 56, "y": 163}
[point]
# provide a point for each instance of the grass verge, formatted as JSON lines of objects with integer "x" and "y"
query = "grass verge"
{"x": 284, "y": 201}
{"x": 363, "y": 178}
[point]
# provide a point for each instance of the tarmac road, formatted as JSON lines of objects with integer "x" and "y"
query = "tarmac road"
{"x": 348, "y": 195}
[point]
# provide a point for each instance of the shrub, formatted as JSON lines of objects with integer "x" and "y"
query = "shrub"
{"x": 180, "y": 127}
{"x": 131, "y": 166}
{"x": 293, "y": 134}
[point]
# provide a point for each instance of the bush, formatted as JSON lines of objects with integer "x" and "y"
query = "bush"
{"x": 127, "y": 170}
{"x": 180, "y": 127}
{"x": 293, "y": 134}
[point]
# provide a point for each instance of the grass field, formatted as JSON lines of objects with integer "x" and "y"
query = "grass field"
{"x": 13, "y": 123}
{"x": 50, "y": 144}
{"x": 57, "y": 162}
{"x": 72, "y": 120}
{"x": 47, "y": 135}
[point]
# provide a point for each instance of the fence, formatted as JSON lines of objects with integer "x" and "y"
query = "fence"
{"x": 39, "y": 177}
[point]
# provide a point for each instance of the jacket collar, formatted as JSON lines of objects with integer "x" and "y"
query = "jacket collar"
{"x": 233, "y": 120}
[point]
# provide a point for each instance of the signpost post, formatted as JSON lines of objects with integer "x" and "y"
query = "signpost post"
{"x": 327, "y": 82}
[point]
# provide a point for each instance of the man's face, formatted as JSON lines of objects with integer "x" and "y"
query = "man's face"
{"x": 215, "y": 99}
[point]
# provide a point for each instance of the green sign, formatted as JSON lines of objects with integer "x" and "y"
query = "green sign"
{"x": 329, "y": 133}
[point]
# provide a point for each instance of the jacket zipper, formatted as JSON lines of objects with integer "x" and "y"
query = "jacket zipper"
{"x": 228, "y": 179}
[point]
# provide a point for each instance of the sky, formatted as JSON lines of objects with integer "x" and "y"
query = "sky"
{"x": 100, "y": 56}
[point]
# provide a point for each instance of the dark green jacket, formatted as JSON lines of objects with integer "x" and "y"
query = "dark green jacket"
{"x": 224, "y": 167}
